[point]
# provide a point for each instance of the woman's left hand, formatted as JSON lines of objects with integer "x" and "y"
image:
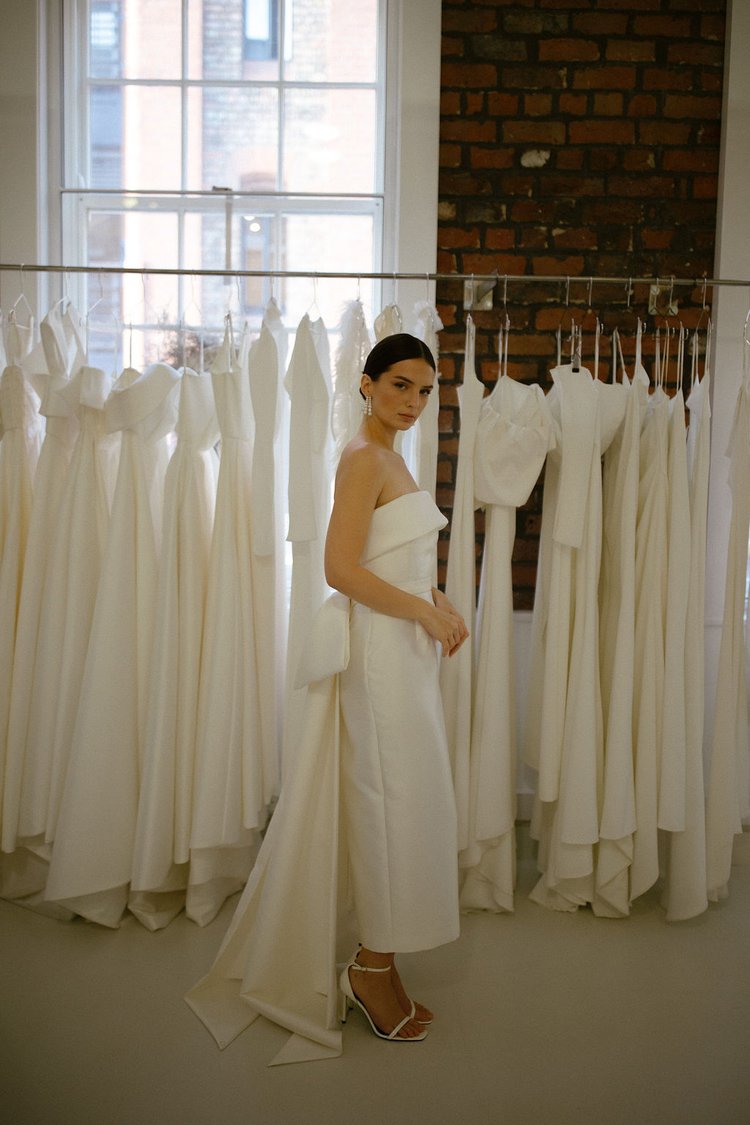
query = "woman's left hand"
{"x": 441, "y": 602}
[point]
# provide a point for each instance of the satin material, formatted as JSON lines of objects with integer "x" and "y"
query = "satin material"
{"x": 295, "y": 918}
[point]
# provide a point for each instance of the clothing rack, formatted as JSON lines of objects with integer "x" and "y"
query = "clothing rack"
{"x": 394, "y": 275}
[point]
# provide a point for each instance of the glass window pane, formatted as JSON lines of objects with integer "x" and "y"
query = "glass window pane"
{"x": 233, "y": 138}
{"x": 324, "y": 242}
{"x": 233, "y": 40}
{"x": 135, "y": 39}
{"x": 330, "y": 41}
{"x": 329, "y": 140}
{"x": 135, "y": 137}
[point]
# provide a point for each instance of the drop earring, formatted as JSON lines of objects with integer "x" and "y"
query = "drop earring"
{"x": 367, "y": 408}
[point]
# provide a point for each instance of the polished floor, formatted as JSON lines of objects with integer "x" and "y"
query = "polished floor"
{"x": 543, "y": 1018}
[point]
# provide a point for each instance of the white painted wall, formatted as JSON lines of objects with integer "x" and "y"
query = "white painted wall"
{"x": 731, "y": 306}
{"x": 20, "y": 91}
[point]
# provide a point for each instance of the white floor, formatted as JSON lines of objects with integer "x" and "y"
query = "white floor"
{"x": 542, "y": 1017}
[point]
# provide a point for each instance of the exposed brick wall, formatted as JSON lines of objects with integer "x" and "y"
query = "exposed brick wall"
{"x": 577, "y": 139}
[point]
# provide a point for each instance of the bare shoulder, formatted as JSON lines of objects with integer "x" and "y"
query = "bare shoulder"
{"x": 364, "y": 460}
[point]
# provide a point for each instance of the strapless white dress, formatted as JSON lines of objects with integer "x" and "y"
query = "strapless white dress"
{"x": 362, "y": 845}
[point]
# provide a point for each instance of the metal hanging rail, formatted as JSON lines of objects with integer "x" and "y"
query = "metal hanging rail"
{"x": 556, "y": 279}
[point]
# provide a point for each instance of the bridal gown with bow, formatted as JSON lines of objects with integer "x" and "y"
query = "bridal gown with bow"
{"x": 93, "y": 840}
{"x": 512, "y": 440}
{"x": 366, "y": 813}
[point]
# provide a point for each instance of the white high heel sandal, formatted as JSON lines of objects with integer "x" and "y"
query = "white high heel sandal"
{"x": 349, "y": 1000}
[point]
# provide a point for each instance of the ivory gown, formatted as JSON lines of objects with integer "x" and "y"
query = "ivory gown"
{"x": 512, "y": 440}
{"x": 369, "y": 792}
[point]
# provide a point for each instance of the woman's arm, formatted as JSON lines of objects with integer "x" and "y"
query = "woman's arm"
{"x": 359, "y": 484}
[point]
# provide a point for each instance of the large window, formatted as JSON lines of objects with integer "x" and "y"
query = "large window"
{"x": 215, "y": 134}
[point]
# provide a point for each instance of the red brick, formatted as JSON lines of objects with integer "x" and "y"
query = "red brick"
{"x": 604, "y": 159}
{"x": 462, "y": 183}
{"x": 657, "y": 239}
{"x": 502, "y": 105}
{"x": 450, "y": 156}
{"x": 575, "y": 239}
{"x": 474, "y": 103}
{"x": 574, "y": 104}
{"x": 643, "y": 187}
{"x": 639, "y": 160}
{"x": 568, "y": 50}
{"x": 642, "y": 105}
{"x": 712, "y": 83}
{"x": 472, "y": 75}
{"x": 605, "y": 78}
{"x": 446, "y": 263}
{"x": 532, "y": 211}
{"x": 450, "y": 103}
{"x": 696, "y": 54}
{"x": 517, "y": 184}
{"x": 491, "y": 263}
{"x": 705, "y": 187}
{"x": 491, "y": 158}
{"x": 463, "y": 130}
{"x": 713, "y": 27}
{"x": 452, "y": 47}
{"x": 468, "y": 20}
{"x": 564, "y": 267}
{"x": 658, "y": 79}
{"x": 448, "y": 237}
{"x": 534, "y": 345}
{"x": 601, "y": 132}
{"x": 691, "y": 160}
{"x": 663, "y": 133}
{"x": 600, "y": 23}
{"x": 668, "y": 26}
{"x": 500, "y": 238}
{"x": 578, "y": 186}
{"x": 692, "y": 107}
{"x": 534, "y": 238}
{"x": 537, "y": 105}
{"x": 569, "y": 159}
{"x": 533, "y": 77}
{"x": 630, "y": 50}
{"x": 534, "y": 132}
{"x": 608, "y": 105}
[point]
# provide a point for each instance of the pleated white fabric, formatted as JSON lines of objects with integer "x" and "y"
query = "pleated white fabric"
{"x": 426, "y": 328}
{"x": 617, "y": 598}
{"x": 308, "y": 384}
{"x": 456, "y": 676}
{"x": 43, "y": 722}
{"x": 20, "y": 430}
{"x": 293, "y": 921}
{"x": 93, "y": 842}
{"x": 685, "y": 891}
{"x": 61, "y": 357}
{"x": 353, "y": 349}
{"x": 162, "y": 838}
{"x": 728, "y": 788}
{"x": 650, "y": 613}
{"x": 513, "y": 437}
{"x": 565, "y": 727}
{"x": 236, "y": 769}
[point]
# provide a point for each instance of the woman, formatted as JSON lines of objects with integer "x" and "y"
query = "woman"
{"x": 396, "y": 786}
{"x": 367, "y": 808}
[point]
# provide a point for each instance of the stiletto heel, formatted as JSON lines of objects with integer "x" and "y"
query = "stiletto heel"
{"x": 350, "y": 1000}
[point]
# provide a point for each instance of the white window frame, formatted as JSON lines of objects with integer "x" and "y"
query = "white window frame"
{"x": 406, "y": 212}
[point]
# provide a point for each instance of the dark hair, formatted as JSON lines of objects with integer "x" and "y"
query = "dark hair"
{"x": 393, "y": 349}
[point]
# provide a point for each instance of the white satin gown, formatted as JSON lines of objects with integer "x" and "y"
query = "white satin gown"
{"x": 366, "y": 813}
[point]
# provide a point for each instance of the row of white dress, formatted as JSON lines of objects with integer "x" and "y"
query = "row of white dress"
{"x": 615, "y": 700}
{"x": 145, "y": 702}
{"x": 150, "y": 711}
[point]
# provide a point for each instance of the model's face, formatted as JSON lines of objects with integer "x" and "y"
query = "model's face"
{"x": 400, "y": 394}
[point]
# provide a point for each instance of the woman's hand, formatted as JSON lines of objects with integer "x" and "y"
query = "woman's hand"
{"x": 444, "y": 623}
